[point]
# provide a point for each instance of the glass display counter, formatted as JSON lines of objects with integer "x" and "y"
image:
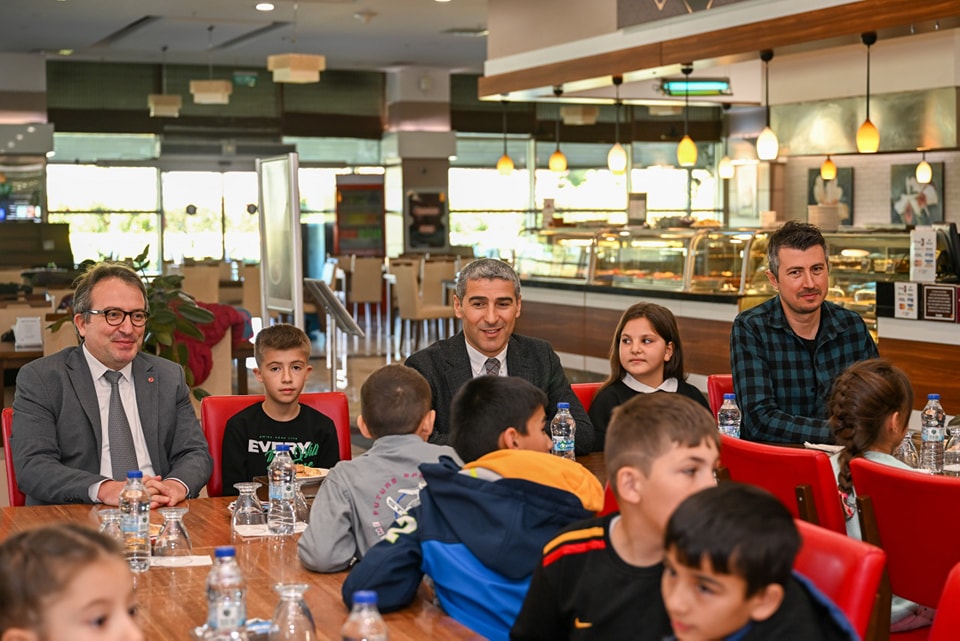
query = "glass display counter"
{"x": 555, "y": 255}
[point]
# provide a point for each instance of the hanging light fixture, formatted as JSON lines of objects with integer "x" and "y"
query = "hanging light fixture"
{"x": 617, "y": 156}
{"x": 558, "y": 162}
{"x": 164, "y": 105}
{"x": 868, "y": 137}
{"x": 505, "y": 164}
{"x": 767, "y": 144}
{"x": 828, "y": 170}
{"x": 924, "y": 173}
{"x": 687, "y": 149}
{"x": 211, "y": 92}
{"x": 299, "y": 68}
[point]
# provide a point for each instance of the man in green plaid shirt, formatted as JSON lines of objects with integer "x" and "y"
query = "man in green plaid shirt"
{"x": 786, "y": 352}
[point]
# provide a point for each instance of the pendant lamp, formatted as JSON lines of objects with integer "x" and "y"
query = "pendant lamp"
{"x": 868, "y": 137}
{"x": 924, "y": 173}
{"x": 211, "y": 92}
{"x": 828, "y": 170}
{"x": 164, "y": 105}
{"x": 617, "y": 156}
{"x": 505, "y": 164}
{"x": 687, "y": 149}
{"x": 767, "y": 144}
{"x": 558, "y": 162}
{"x": 299, "y": 68}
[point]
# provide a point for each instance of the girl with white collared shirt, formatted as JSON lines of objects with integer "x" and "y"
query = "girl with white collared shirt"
{"x": 646, "y": 356}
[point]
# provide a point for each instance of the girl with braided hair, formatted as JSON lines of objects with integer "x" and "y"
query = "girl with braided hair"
{"x": 869, "y": 408}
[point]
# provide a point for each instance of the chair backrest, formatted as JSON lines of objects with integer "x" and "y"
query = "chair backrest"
{"x": 16, "y": 497}
{"x": 585, "y": 392}
{"x": 946, "y": 623}
{"x": 802, "y": 479}
{"x": 435, "y": 271}
{"x": 216, "y": 410}
{"x": 717, "y": 386}
{"x": 251, "y": 289}
{"x": 610, "y": 504}
{"x": 845, "y": 569}
{"x": 366, "y": 280}
{"x": 909, "y": 514}
{"x": 407, "y": 288}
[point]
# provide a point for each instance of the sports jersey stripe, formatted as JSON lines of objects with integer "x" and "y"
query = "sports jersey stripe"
{"x": 574, "y": 548}
{"x": 585, "y": 533}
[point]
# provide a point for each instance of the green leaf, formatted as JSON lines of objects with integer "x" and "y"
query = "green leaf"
{"x": 195, "y": 314}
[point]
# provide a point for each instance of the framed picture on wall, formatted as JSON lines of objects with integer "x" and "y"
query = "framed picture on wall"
{"x": 914, "y": 203}
{"x": 838, "y": 191}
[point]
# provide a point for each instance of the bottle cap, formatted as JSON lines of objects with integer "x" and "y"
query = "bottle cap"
{"x": 366, "y": 597}
{"x": 223, "y": 551}
{"x": 134, "y": 474}
{"x": 563, "y": 406}
{"x": 282, "y": 447}
{"x": 933, "y": 397}
{"x": 729, "y": 397}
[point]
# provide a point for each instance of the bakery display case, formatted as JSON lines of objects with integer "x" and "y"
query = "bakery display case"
{"x": 554, "y": 255}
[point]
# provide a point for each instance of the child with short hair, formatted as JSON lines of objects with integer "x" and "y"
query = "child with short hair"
{"x": 479, "y": 529}
{"x": 646, "y": 356}
{"x": 65, "y": 581}
{"x": 869, "y": 409}
{"x": 600, "y": 578}
{"x": 283, "y": 364}
{"x": 729, "y": 572}
{"x": 359, "y": 499}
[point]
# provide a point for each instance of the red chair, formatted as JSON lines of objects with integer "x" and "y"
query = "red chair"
{"x": 585, "y": 393}
{"x": 802, "y": 479}
{"x": 910, "y": 514}
{"x": 609, "y": 501}
{"x": 216, "y": 410}
{"x": 717, "y": 386}
{"x": 17, "y": 498}
{"x": 846, "y": 570}
{"x": 946, "y": 623}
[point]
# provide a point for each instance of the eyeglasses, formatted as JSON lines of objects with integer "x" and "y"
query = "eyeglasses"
{"x": 115, "y": 317}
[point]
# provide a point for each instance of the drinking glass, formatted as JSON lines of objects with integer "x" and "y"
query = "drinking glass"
{"x": 292, "y": 620}
{"x": 247, "y": 509}
{"x": 906, "y": 452}
{"x": 951, "y": 453}
{"x": 173, "y": 539}
{"x": 301, "y": 508}
{"x": 110, "y": 524}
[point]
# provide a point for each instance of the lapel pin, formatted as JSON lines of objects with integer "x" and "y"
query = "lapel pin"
{"x": 150, "y": 379}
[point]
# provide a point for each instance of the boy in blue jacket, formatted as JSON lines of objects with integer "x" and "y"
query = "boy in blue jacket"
{"x": 479, "y": 530}
{"x": 729, "y": 576}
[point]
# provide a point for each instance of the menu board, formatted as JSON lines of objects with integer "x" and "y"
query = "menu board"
{"x": 360, "y": 216}
{"x": 905, "y": 300}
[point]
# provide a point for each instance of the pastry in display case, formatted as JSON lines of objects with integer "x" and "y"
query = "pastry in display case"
{"x": 554, "y": 255}
{"x": 642, "y": 258}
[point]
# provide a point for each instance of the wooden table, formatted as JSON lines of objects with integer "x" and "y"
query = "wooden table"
{"x": 11, "y": 358}
{"x": 172, "y": 600}
{"x": 596, "y": 463}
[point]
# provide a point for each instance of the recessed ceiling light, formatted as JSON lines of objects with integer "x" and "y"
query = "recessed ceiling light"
{"x": 66, "y": 52}
{"x": 264, "y": 6}
{"x": 443, "y": 0}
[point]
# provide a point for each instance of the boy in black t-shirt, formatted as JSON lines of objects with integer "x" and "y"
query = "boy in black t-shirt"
{"x": 729, "y": 572}
{"x": 283, "y": 363}
{"x": 600, "y": 578}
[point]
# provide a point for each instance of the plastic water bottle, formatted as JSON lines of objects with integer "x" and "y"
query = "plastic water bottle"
{"x": 728, "y": 416}
{"x": 281, "y": 474}
{"x": 931, "y": 435}
{"x": 135, "y": 522}
{"x": 563, "y": 430}
{"x": 226, "y": 598}
{"x": 364, "y": 622}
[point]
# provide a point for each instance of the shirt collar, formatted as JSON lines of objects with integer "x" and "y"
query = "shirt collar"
{"x": 478, "y": 360}
{"x": 97, "y": 369}
{"x": 669, "y": 385}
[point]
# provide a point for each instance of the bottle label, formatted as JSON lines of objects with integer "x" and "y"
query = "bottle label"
{"x": 561, "y": 444}
{"x": 933, "y": 434}
{"x": 135, "y": 524}
{"x": 282, "y": 491}
{"x": 227, "y": 614}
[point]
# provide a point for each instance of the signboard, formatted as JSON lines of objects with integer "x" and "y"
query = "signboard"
{"x": 905, "y": 300}
{"x": 923, "y": 255}
{"x": 940, "y": 303}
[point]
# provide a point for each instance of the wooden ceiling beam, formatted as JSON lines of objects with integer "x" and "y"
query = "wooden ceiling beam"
{"x": 828, "y": 27}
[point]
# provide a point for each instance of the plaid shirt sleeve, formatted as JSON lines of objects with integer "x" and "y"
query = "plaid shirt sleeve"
{"x": 782, "y": 390}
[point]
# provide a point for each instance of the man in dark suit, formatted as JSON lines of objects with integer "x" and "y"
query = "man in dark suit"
{"x": 65, "y": 442}
{"x": 487, "y": 301}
